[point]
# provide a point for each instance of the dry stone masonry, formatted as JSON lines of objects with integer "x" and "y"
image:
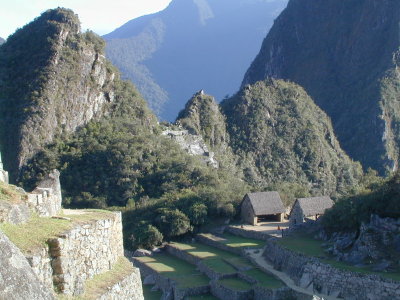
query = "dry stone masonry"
{"x": 63, "y": 265}
{"x": 314, "y": 274}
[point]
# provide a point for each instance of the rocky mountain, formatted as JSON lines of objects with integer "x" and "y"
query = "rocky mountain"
{"x": 53, "y": 80}
{"x": 280, "y": 135}
{"x": 345, "y": 54}
{"x": 191, "y": 45}
{"x": 1, "y": 40}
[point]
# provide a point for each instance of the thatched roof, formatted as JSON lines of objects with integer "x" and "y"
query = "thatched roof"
{"x": 266, "y": 203}
{"x": 314, "y": 205}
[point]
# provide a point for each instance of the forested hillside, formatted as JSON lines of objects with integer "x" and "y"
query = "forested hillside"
{"x": 345, "y": 54}
{"x": 191, "y": 45}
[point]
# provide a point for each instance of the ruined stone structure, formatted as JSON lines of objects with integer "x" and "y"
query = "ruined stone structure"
{"x": 91, "y": 245}
{"x": 192, "y": 144}
{"x": 313, "y": 274}
{"x": 262, "y": 206}
{"x": 46, "y": 198}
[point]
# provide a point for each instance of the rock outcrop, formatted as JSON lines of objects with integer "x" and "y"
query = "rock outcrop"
{"x": 345, "y": 54}
{"x": 280, "y": 135}
{"x": 62, "y": 81}
{"x": 17, "y": 279}
{"x": 3, "y": 173}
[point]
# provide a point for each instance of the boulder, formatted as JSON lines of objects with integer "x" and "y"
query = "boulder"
{"x": 142, "y": 252}
{"x": 17, "y": 279}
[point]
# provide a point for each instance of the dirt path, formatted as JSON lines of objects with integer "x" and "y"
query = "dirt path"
{"x": 259, "y": 260}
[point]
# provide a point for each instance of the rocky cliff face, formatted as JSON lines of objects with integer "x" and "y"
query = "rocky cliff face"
{"x": 345, "y": 54}
{"x": 280, "y": 135}
{"x": 18, "y": 281}
{"x": 53, "y": 79}
{"x": 213, "y": 41}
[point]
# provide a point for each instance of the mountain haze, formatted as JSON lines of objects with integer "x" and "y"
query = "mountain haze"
{"x": 1, "y": 40}
{"x": 346, "y": 55}
{"x": 191, "y": 45}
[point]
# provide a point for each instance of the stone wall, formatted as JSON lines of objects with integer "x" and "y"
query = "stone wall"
{"x": 86, "y": 250}
{"x": 130, "y": 288}
{"x": 313, "y": 274}
{"x": 220, "y": 291}
{"x": 247, "y": 212}
{"x": 40, "y": 262}
{"x": 46, "y": 198}
{"x": 251, "y": 234}
{"x": 182, "y": 254}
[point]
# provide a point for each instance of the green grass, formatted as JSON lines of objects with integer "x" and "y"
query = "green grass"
{"x": 219, "y": 265}
{"x": 206, "y": 252}
{"x": 9, "y": 193}
{"x": 37, "y": 231}
{"x": 264, "y": 279}
{"x": 99, "y": 284}
{"x": 235, "y": 284}
{"x": 149, "y": 295}
{"x": 241, "y": 242}
{"x": 171, "y": 267}
{"x": 303, "y": 244}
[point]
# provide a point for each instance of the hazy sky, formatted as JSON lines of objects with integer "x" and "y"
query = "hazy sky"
{"x": 101, "y": 16}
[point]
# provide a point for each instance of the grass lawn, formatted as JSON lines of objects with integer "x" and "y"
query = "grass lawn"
{"x": 235, "y": 284}
{"x": 219, "y": 265}
{"x": 149, "y": 295}
{"x": 264, "y": 279}
{"x": 312, "y": 247}
{"x": 174, "y": 268}
{"x": 241, "y": 242}
{"x": 37, "y": 231}
{"x": 9, "y": 193}
{"x": 206, "y": 252}
{"x": 201, "y": 297}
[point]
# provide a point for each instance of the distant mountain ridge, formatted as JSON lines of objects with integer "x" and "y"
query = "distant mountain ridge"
{"x": 191, "y": 45}
{"x": 2, "y": 40}
{"x": 346, "y": 56}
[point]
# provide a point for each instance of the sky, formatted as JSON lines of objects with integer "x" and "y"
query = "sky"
{"x": 101, "y": 16}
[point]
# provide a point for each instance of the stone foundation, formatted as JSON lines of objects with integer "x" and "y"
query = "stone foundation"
{"x": 311, "y": 273}
{"x": 130, "y": 288}
{"x": 85, "y": 251}
{"x": 224, "y": 293}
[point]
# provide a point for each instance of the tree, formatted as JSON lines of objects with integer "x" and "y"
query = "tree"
{"x": 197, "y": 213}
{"x": 146, "y": 236}
{"x": 172, "y": 222}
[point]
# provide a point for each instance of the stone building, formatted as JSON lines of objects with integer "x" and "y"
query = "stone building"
{"x": 262, "y": 206}
{"x": 308, "y": 208}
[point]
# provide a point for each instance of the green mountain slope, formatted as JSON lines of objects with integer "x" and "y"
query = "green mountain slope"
{"x": 53, "y": 79}
{"x": 345, "y": 54}
{"x": 280, "y": 135}
{"x": 212, "y": 40}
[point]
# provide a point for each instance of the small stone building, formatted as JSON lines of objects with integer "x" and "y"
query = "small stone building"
{"x": 309, "y": 208}
{"x": 262, "y": 206}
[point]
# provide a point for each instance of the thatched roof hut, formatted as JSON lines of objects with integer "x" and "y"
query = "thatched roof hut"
{"x": 312, "y": 207}
{"x": 260, "y": 206}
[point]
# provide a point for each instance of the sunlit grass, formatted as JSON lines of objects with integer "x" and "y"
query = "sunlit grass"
{"x": 235, "y": 284}
{"x": 174, "y": 268}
